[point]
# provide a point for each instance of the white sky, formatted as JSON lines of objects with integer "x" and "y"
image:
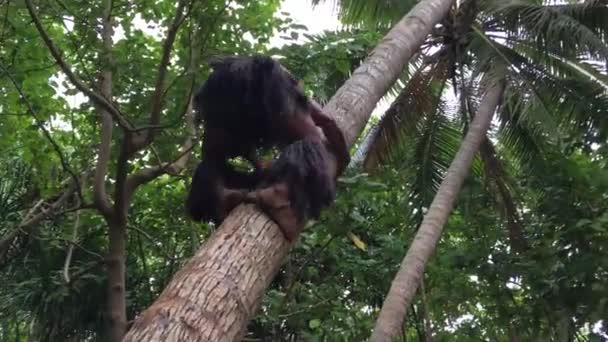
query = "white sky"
{"x": 322, "y": 17}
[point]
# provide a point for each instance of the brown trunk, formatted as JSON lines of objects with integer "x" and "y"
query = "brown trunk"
{"x": 115, "y": 266}
{"x": 213, "y": 296}
{"x": 412, "y": 267}
{"x": 217, "y": 292}
{"x": 116, "y": 313}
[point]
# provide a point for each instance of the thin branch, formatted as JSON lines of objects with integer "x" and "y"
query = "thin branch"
{"x": 70, "y": 253}
{"x": 76, "y": 47}
{"x": 100, "y": 197}
{"x": 7, "y": 243}
{"x": 306, "y": 309}
{"x": 77, "y": 245}
{"x": 47, "y": 134}
{"x": 5, "y": 26}
{"x": 80, "y": 19}
{"x": 95, "y": 97}
{"x": 310, "y": 257}
{"x": 158, "y": 95}
{"x": 146, "y": 175}
{"x": 82, "y": 206}
{"x": 154, "y": 242}
{"x": 51, "y": 210}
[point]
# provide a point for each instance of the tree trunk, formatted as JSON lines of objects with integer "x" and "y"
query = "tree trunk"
{"x": 217, "y": 292}
{"x": 362, "y": 151}
{"x": 115, "y": 264}
{"x": 412, "y": 267}
{"x": 116, "y": 310}
{"x": 353, "y": 103}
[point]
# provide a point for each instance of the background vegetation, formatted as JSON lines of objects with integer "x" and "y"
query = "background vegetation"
{"x": 525, "y": 252}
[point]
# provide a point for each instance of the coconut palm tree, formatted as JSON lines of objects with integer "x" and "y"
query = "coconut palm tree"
{"x": 547, "y": 54}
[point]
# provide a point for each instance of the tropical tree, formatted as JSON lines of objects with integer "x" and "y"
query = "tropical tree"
{"x": 123, "y": 134}
{"x": 406, "y": 282}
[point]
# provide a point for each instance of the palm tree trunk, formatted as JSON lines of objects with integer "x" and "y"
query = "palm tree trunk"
{"x": 412, "y": 267}
{"x": 216, "y": 293}
{"x": 361, "y": 153}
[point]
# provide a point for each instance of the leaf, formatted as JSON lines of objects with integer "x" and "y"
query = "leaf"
{"x": 357, "y": 217}
{"x": 299, "y": 27}
{"x": 582, "y": 222}
{"x": 357, "y": 241}
{"x": 314, "y": 324}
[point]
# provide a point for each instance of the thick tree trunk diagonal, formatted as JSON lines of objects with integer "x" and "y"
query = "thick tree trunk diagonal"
{"x": 215, "y": 294}
{"x": 405, "y": 283}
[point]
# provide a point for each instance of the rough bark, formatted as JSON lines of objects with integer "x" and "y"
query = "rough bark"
{"x": 355, "y": 100}
{"x": 408, "y": 277}
{"x": 217, "y": 292}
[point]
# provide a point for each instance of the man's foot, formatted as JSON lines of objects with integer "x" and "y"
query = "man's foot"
{"x": 274, "y": 201}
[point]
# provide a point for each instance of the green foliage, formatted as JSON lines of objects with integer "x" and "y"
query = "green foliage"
{"x": 326, "y": 60}
{"x": 550, "y": 138}
{"x": 372, "y": 14}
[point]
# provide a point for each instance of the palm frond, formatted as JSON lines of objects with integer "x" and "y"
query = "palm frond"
{"x": 500, "y": 186}
{"x": 573, "y": 98}
{"x": 564, "y": 29}
{"x": 14, "y": 180}
{"x": 558, "y": 66}
{"x": 419, "y": 98}
{"x": 432, "y": 151}
{"x": 372, "y": 14}
{"x": 522, "y": 140}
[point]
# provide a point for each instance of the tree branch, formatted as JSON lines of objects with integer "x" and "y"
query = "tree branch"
{"x": 154, "y": 242}
{"x": 70, "y": 252}
{"x": 8, "y": 248}
{"x": 148, "y": 174}
{"x": 141, "y": 141}
{"x": 96, "y": 98}
{"x": 100, "y": 197}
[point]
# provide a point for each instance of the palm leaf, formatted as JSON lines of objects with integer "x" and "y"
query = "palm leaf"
{"x": 572, "y": 98}
{"x": 431, "y": 152}
{"x": 419, "y": 98}
{"x": 521, "y": 139}
{"x": 501, "y": 188}
{"x": 564, "y": 29}
{"x": 14, "y": 180}
{"x": 372, "y": 14}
